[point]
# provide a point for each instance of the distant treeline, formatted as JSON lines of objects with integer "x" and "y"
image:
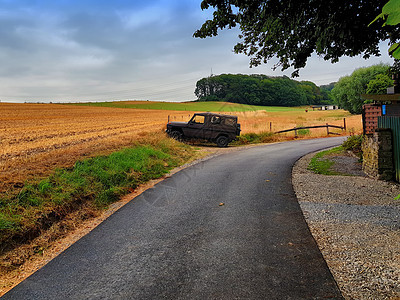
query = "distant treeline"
{"x": 261, "y": 90}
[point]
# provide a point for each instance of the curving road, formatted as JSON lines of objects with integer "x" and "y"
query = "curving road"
{"x": 176, "y": 241}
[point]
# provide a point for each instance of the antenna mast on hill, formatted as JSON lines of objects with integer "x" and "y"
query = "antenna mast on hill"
{"x": 211, "y": 73}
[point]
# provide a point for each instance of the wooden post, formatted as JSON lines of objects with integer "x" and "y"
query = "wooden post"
{"x": 270, "y": 126}
{"x": 344, "y": 124}
{"x": 327, "y": 129}
{"x": 168, "y": 118}
{"x": 295, "y": 132}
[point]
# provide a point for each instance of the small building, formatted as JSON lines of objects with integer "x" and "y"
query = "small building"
{"x": 383, "y": 105}
{"x": 324, "y": 107}
{"x": 381, "y": 129}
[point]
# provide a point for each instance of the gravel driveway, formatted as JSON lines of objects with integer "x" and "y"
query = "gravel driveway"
{"x": 356, "y": 223}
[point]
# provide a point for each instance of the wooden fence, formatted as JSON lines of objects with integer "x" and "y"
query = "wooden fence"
{"x": 295, "y": 129}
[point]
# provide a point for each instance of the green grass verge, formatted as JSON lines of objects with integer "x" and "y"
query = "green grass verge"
{"x": 321, "y": 164}
{"x": 254, "y": 138}
{"x": 96, "y": 181}
{"x": 189, "y": 106}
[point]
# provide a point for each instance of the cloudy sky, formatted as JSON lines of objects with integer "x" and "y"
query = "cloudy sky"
{"x": 97, "y": 50}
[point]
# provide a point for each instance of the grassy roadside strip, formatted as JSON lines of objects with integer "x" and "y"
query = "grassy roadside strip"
{"x": 90, "y": 185}
{"x": 265, "y": 137}
{"x": 321, "y": 164}
{"x": 255, "y": 138}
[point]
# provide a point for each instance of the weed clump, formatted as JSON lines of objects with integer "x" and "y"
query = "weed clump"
{"x": 353, "y": 143}
{"x": 255, "y": 138}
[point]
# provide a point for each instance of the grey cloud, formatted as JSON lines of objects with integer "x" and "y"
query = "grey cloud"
{"x": 75, "y": 52}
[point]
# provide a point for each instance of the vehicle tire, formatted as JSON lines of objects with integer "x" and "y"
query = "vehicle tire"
{"x": 222, "y": 141}
{"x": 176, "y": 135}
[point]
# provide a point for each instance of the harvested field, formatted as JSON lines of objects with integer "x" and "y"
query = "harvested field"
{"x": 36, "y": 138}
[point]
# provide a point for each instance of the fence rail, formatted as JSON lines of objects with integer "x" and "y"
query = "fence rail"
{"x": 295, "y": 129}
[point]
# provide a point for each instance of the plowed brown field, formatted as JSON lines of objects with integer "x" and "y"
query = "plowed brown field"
{"x": 37, "y": 138}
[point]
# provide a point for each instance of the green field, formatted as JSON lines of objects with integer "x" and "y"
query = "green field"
{"x": 189, "y": 106}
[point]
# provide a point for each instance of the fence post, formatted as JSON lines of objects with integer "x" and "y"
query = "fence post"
{"x": 168, "y": 118}
{"x": 295, "y": 132}
{"x": 344, "y": 124}
{"x": 270, "y": 126}
{"x": 327, "y": 129}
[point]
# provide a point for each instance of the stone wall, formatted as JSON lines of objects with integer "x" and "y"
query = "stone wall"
{"x": 378, "y": 154}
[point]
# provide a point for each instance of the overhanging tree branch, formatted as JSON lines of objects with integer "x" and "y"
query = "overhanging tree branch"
{"x": 292, "y": 30}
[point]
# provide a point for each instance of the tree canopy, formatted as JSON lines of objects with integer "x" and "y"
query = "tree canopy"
{"x": 379, "y": 84}
{"x": 348, "y": 90}
{"x": 259, "y": 90}
{"x": 292, "y": 30}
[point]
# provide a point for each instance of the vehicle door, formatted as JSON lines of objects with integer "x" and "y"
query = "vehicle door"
{"x": 230, "y": 126}
{"x": 195, "y": 128}
{"x": 214, "y": 127}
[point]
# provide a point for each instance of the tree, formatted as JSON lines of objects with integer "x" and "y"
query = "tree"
{"x": 326, "y": 91}
{"x": 380, "y": 84}
{"x": 257, "y": 89}
{"x": 347, "y": 92}
{"x": 292, "y": 30}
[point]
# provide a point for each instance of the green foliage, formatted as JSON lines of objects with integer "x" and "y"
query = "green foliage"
{"x": 354, "y": 143}
{"x": 347, "y": 92}
{"x": 258, "y": 90}
{"x": 292, "y": 30}
{"x": 379, "y": 84}
{"x": 7, "y": 223}
{"x": 303, "y": 132}
{"x": 254, "y": 138}
{"x": 326, "y": 93}
{"x": 391, "y": 15}
{"x": 321, "y": 164}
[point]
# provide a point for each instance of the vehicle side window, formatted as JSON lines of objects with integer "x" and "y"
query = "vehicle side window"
{"x": 215, "y": 120}
{"x": 230, "y": 122}
{"x": 198, "y": 119}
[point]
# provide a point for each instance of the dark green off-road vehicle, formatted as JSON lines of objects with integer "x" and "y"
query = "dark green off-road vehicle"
{"x": 217, "y": 128}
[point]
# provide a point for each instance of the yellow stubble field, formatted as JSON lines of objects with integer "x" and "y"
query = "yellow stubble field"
{"x": 37, "y": 138}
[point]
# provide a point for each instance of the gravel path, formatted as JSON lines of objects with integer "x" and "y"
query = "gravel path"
{"x": 356, "y": 223}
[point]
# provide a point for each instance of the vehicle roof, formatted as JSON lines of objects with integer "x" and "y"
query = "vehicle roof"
{"x": 215, "y": 114}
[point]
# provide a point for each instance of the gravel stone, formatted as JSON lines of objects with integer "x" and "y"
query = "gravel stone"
{"x": 347, "y": 165}
{"x": 356, "y": 223}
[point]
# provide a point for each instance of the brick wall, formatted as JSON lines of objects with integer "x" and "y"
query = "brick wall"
{"x": 378, "y": 154}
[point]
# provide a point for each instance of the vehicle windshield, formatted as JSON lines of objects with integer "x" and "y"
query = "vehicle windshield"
{"x": 198, "y": 119}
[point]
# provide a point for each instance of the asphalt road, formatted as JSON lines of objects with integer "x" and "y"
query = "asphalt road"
{"x": 176, "y": 241}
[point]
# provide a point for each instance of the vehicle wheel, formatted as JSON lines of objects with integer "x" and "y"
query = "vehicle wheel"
{"x": 176, "y": 135}
{"x": 222, "y": 141}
